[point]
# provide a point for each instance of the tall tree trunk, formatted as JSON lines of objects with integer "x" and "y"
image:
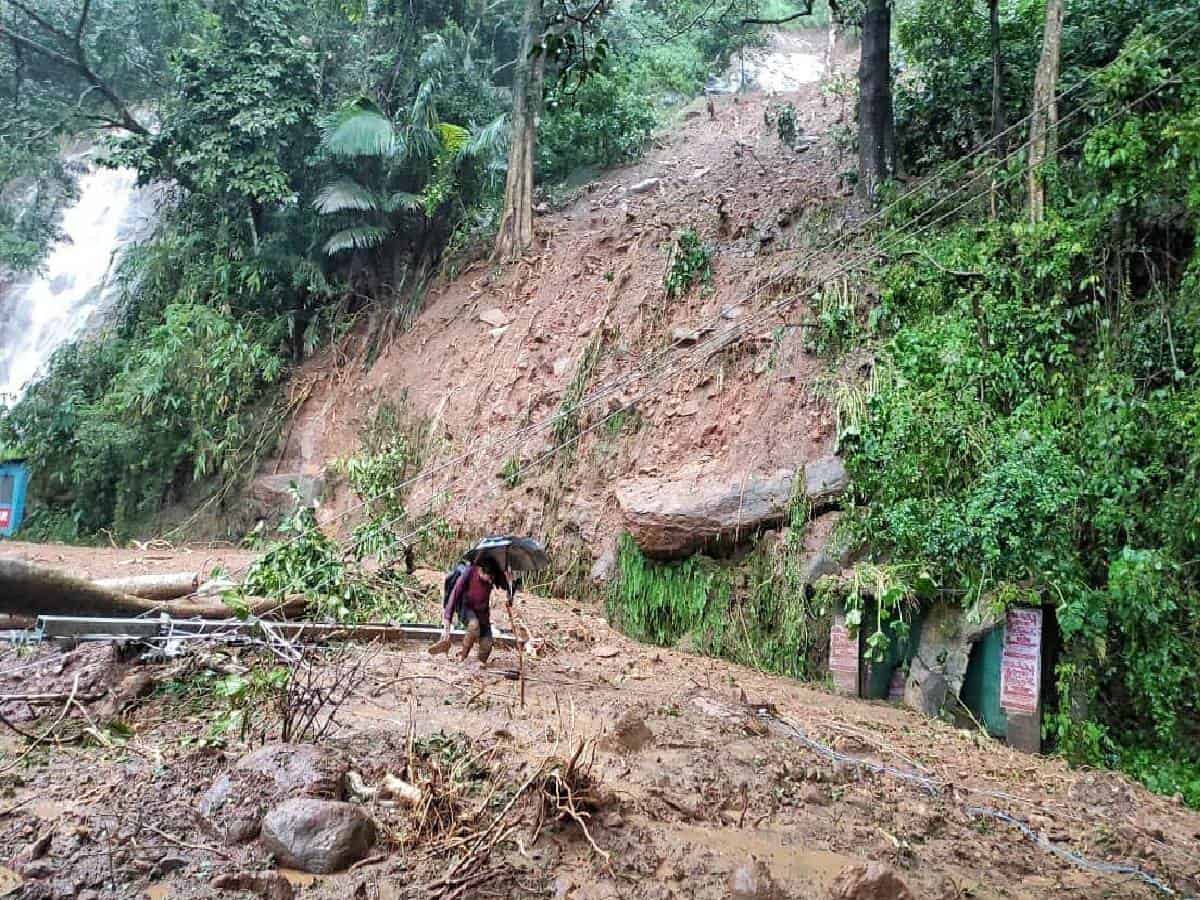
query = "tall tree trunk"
{"x": 876, "y": 127}
{"x": 997, "y": 69}
{"x": 516, "y": 221}
{"x": 1044, "y": 121}
{"x": 830, "y": 47}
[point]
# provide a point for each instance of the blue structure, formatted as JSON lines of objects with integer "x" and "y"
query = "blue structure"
{"x": 14, "y": 479}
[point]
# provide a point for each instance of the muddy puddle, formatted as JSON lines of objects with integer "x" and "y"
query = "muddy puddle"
{"x": 787, "y": 861}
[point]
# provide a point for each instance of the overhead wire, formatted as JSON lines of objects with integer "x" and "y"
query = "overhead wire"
{"x": 717, "y": 339}
{"x": 625, "y": 406}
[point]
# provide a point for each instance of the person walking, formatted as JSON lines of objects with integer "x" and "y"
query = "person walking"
{"x": 471, "y": 598}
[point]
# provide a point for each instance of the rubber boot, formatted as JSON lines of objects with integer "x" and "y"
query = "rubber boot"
{"x": 485, "y": 650}
{"x": 469, "y": 639}
{"x": 443, "y": 644}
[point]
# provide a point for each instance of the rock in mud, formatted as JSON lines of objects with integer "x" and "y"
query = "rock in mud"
{"x": 752, "y": 881}
{"x": 494, "y": 317}
{"x": 319, "y": 836}
{"x": 272, "y": 494}
{"x": 236, "y": 802}
{"x": 645, "y": 186}
{"x": 825, "y": 480}
{"x": 270, "y": 885}
{"x": 701, "y": 509}
{"x": 632, "y": 733}
{"x": 869, "y": 882}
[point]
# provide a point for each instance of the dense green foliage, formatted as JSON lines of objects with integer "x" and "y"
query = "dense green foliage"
{"x": 757, "y": 612}
{"x": 1034, "y": 434}
{"x": 323, "y": 156}
{"x": 944, "y": 95}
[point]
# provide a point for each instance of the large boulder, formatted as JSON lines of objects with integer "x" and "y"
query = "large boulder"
{"x": 237, "y": 800}
{"x": 825, "y": 480}
{"x": 317, "y": 835}
{"x": 825, "y": 553}
{"x": 701, "y": 509}
{"x": 939, "y": 665}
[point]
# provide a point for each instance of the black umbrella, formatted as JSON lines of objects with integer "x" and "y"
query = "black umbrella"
{"x": 517, "y": 554}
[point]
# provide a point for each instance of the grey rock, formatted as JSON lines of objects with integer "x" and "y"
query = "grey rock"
{"x": 37, "y": 869}
{"x": 830, "y": 555}
{"x": 237, "y": 800}
{"x": 925, "y": 689}
{"x": 171, "y": 863}
{"x": 269, "y": 885}
{"x": 494, "y": 317}
{"x": 752, "y": 881}
{"x": 273, "y": 493}
{"x": 825, "y": 480}
{"x": 645, "y": 186}
{"x": 317, "y": 835}
{"x": 632, "y": 733}
{"x": 940, "y": 663}
{"x": 605, "y": 567}
{"x": 698, "y": 509}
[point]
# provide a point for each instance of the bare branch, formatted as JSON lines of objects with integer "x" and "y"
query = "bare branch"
{"x": 807, "y": 11}
{"x": 79, "y": 65}
{"x": 48, "y": 26}
{"x": 83, "y": 16}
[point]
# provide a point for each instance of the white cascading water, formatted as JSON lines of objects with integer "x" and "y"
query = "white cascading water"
{"x": 75, "y": 290}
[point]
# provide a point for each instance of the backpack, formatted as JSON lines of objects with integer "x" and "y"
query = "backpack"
{"x": 452, "y": 579}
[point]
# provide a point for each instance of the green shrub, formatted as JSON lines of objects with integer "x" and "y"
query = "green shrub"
{"x": 691, "y": 262}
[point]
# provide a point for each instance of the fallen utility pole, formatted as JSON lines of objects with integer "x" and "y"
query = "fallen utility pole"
{"x": 157, "y": 586}
{"x": 26, "y": 589}
{"x": 90, "y": 628}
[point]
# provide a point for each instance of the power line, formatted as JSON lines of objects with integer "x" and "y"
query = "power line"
{"x": 631, "y": 404}
{"x": 718, "y": 339}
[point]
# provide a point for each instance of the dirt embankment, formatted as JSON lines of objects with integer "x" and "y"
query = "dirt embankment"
{"x": 704, "y": 773}
{"x": 495, "y": 350}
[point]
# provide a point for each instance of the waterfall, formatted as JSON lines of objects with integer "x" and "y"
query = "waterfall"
{"x": 75, "y": 290}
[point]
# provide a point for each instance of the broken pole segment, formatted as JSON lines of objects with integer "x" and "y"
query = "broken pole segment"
{"x": 85, "y": 628}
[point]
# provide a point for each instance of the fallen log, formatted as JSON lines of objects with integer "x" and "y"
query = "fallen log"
{"x": 29, "y": 590}
{"x": 165, "y": 586}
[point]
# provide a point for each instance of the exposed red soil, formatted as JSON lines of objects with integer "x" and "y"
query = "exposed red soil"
{"x": 701, "y": 765}
{"x": 754, "y": 405}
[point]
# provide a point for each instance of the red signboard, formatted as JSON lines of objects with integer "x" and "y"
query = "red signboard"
{"x": 843, "y": 650}
{"x": 843, "y": 657}
{"x": 5, "y": 516}
{"x": 1021, "y": 664}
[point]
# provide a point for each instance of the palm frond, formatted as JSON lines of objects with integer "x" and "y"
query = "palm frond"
{"x": 491, "y": 141}
{"x": 423, "y": 116}
{"x": 362, "y": 237}
{"x": 423, "y": 143}
{"x": 436, "y": 55}
{"x": 402, "y": 200}
{"x": 358, "y": 131}
{"x": 342, "y": 195}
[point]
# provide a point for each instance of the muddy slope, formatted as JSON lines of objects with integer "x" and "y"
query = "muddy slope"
{"x": 495, "y": 349}
{"x": 701, "y": 768}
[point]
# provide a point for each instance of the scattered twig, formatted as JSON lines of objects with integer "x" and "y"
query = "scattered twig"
{"x": 184, "y": 844}
{"x": 45, "y": 734}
